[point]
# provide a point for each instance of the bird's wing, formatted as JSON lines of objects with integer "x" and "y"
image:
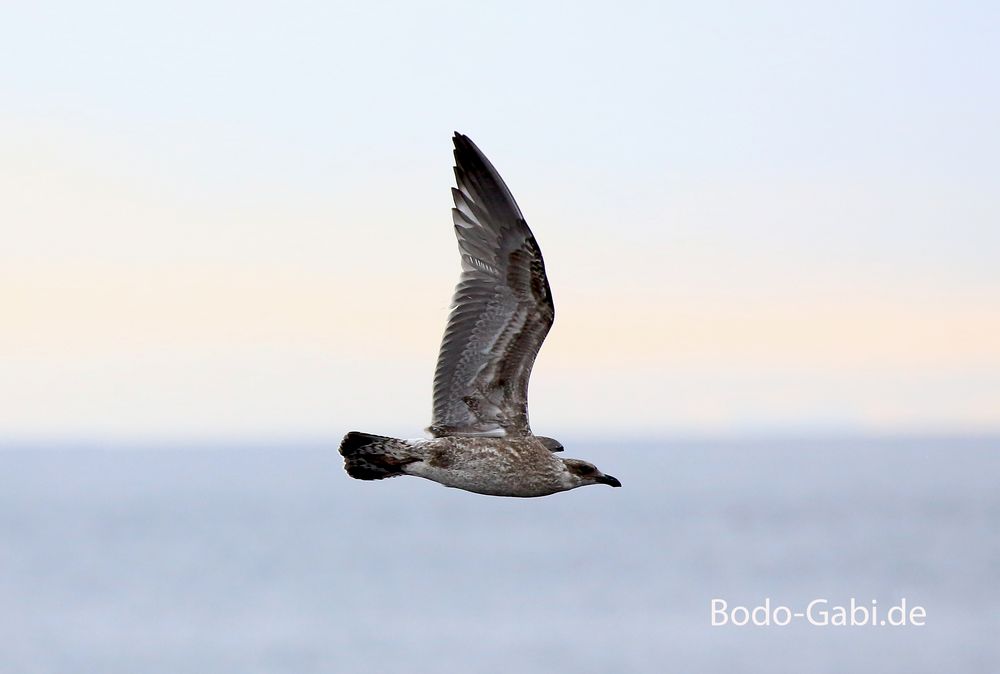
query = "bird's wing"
{"x": 550, "y": 444}
{"x": 501, "y": 311}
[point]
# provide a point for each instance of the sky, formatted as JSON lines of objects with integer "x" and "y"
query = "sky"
{"x": 231, "y": 220}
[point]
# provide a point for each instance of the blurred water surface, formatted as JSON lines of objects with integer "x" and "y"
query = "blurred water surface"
{"x": 261, "y": 559}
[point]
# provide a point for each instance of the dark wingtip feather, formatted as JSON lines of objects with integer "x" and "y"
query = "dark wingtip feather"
{"x": 464, "y": 145}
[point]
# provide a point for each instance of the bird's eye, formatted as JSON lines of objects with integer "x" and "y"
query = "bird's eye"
{"x": 586, "y": 470}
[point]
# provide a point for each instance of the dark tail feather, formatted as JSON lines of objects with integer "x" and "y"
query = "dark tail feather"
{"x": 374, "y": 457}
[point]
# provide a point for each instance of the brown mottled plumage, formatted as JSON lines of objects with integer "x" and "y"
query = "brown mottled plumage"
{"x": 501, "y": 312}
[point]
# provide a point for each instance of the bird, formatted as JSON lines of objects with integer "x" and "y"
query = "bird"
{"x": 480, "y": 440}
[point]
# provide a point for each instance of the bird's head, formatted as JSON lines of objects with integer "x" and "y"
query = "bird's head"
{"x": 579, "y": 473}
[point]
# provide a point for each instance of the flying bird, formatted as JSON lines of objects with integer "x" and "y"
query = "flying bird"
{"x": 501, "y": 312}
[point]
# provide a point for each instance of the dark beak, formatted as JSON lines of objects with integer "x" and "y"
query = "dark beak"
{"x": 609, "y": 480}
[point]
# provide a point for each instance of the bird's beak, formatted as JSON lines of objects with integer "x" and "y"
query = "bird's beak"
{"x": 609, "y": 480}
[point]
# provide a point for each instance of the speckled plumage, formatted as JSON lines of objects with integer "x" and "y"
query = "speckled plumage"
{"x": 501, "y": 312}
{"x": 494, "y": 466}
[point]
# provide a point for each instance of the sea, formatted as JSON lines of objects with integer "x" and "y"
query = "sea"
{"x": 267, "y": 557}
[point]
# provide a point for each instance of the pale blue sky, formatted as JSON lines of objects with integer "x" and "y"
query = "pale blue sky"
{"x": 786, "y": 214}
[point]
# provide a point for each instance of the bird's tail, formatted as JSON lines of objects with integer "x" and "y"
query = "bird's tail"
{"x": 375, "y": 457}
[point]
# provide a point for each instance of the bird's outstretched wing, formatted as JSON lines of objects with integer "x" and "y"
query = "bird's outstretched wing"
{"x": 501, "y": 311}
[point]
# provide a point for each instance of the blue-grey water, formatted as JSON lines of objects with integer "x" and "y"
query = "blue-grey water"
{"x": 272, "y": 560}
